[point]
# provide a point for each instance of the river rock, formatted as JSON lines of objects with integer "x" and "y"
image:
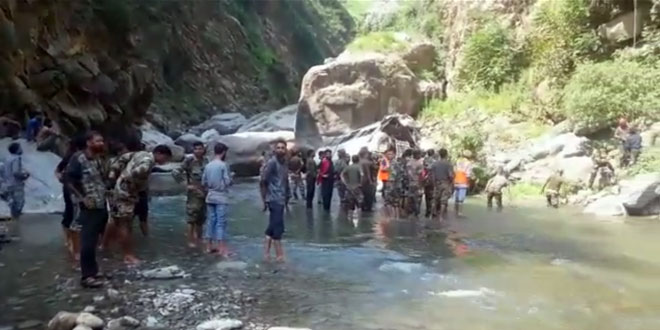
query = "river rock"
{"x": 123, "y": 323}
{"x": 209, "y": 135}
{"x": 63, "y": 321}
{"x": 152, "y": 138}
{"x": 89, "y": 320}
{"x": 82, "y": 327}
{"x": 641, "y": 194}
{"x": 287, "y": 328}
{"x": 231, "y": 265}
{"x": 43, "y": 192}
{"x": 281, "y": 120}
{"x": 223, "y": 123}
{"x": 624, "y": 26}
{"x": 220, "y": 324}
{"x": 245, "y": 149}
{"x": 606, "y": 206}
{"x": 355, "y": 91}
{"x": 29, "y": 324}
{"x": 186, "y": 141}
{"x": 420, "y": 56}
{"x": 164, "y": 273}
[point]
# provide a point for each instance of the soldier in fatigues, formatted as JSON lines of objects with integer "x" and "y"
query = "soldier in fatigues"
{"x": 191, "y": 171}
{"x": 603, "y": 166}
{"x": 402, "y": 181}
{"x": 387, "y": 174}
{"x": 295, "y": 174}
{"x": 131, "y": 175}
{"x": 339, "y": 165}
{"x": 414, "y": 169}
{"x": 427, "y": 182}
{"x": 442, "y": 176}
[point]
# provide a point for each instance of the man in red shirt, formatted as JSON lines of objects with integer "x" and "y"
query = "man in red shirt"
{"x": 326, "y": 179}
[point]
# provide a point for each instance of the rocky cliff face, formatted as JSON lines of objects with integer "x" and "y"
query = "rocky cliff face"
{"x": 97, "y": 63}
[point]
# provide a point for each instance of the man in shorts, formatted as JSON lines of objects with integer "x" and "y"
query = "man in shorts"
{"x": 442, "y": 176}
{"x": 132, "y": 171}
{"x": 275, "y": 196}
{"x": 552, "y": 187}
{"x": 190, "y": 172}
{"x": 351, "y": 177}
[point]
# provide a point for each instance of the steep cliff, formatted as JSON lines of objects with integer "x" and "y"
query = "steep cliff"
{"x": 105, "y": 63}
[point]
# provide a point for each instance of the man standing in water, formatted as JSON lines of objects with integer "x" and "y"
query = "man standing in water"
{"x": 295, "y": 169}
{"x": 427, "y": 182}
{"x": 414, "y": 170}
{"x": 340, "y": 164}
{"x": 387, "y": 175}
{"x": 132, "y": 172}
{"x": 351, "y": 177}
{"x": 86, "y": 175}
{"x": 191, "y": 171}
{"x": 310, "y": 178}
{"x": 462, "y": 181}
{"x": 275, "y": 197}
{"x": 368, "y": 181}
{"x": 327, "y": 179}
{"x": 217, "y": 179}
{"x": 14, "y": 177}
{"x": 442, "y": 176}
{"x": 552, "y": 187}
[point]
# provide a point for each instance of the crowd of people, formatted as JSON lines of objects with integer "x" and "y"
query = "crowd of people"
{"x": 105, "y": 186}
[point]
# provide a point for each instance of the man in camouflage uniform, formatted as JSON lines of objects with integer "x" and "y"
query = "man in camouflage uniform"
{"x": 414, "y": 170}
{"x": 339, "y": 165}
{"x": 442, "y": 176}
{"x": 131, "y": 174}
{"x": 427, "y": 183}
{"x": 190, "y": 172}
{"x": 390, "y": 195}
{"x": 295, "y": 175}
{"x": 603, "y": 166}
{"x": 402, "y": 181}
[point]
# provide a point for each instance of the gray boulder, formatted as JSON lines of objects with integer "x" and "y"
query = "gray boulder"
{"x": 224, "y": 123}
{"x": 63, "y": 321}
{"x": 606, "y": 206}
{"x": 152, "y": 137}
{"x": 281, "y": 120}
{"x": 164, "y": 273}
{"x": 220, "y": 324}
{"x": 641, "y": 194}
{"x": 43, "y": 192}
{"x": 186, "y": 141}
{"x": 209, "y": 135}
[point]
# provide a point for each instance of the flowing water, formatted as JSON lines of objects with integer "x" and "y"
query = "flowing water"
{"x": 524, "y": 268}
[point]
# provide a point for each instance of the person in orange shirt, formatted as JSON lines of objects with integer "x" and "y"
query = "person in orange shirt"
{"x": 463, "y": 172}
{"x": 386, "y": 176}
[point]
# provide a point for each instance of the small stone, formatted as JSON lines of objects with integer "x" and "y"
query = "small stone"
{"x": 89, "y": 309}
{"x": 221, "y": 324}
{"x": 98, "y": 299}
{"x": 29, "y": 324}
{"x": 231, "y": 265}
{"x": 63, "y": 320}
{"x": 164, "y": 273}
{"x": 90, "y": 320}
{"x": 82, "y": 327}
{"x": 113, "y": 294}
{"x": 151, "y": 322}
{"x": 115, "y": 310}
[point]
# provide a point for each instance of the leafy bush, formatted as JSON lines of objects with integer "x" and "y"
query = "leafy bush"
{"x": 382, "y": 42}
{"x": 524, "y": 190}
{"x": 649, "y": 161}
{"x": 490, "y": 58}
{"x": 509, "y": 100}
{"x": 602, "y": 92}
{"x": 559, "y": 35}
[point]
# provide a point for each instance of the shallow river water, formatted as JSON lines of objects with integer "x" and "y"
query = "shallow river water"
{"x": 524, "y": 268}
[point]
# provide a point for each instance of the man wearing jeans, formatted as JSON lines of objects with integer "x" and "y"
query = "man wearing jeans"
{"x": 275, "y": 195}
{"x": 86, "y": 175}
{"x": 216, "y": 179}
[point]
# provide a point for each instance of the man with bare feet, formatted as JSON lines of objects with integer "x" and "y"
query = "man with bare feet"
{"x": 275, "y": 197}
{"x": 216, "y": 180}
{"x": 132, "y": 172}
{"x": 191, "y": 171}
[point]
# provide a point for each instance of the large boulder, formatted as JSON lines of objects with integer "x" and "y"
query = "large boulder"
{"x": 187, "y": 141}
{"x": 420, "y": 56}
{"x": 651, "y": 136}
{"x": 281, "y": 120}
{"x": 636, "y": 196}
{"x": 354, "y": 91}
{"x": 224, "y": 123}
{"x": 43, "y": 192}
{"x": 606, "y": 206}
{"x": 625, "y": 26}
{"x": 151, "y": 138}
{"x": 245, "y": 149}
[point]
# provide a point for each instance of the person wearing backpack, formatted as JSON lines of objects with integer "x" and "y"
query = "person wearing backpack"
{"x": 14, "y": 177}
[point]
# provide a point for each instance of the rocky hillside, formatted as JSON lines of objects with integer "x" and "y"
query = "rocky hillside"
{"x": 91, "y": 63}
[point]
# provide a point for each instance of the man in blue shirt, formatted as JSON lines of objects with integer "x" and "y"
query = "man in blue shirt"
{"x": 275, "y": 194}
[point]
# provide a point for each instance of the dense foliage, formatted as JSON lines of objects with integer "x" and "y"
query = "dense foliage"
{"x": 599, "y": 92}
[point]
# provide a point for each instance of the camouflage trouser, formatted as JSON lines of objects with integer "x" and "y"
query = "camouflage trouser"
{"x": 442, "y": 192}
{"x": 414, "y": 197}
{"x": 195, "y": 208}
{"x": 297, "y": 185}
{"x": 341, "y": 191}
{"x": 390, "y": 194}
{"x": 122, "y": 209}
{"x": 353, "y": 197}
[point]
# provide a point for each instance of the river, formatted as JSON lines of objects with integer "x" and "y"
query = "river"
{"x": 525, "y": 268}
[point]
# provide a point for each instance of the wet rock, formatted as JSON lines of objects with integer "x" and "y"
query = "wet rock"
{"x": 287, "y": 328}
{"x": 164, "y": 273}
{"x": 29, "y": 324}
{"x": 220, "y": 324}
{"x": 63, "y": 321}
{"x": 172, "y": 302}
{"x": 89, "y": 320}
{"x": 403, "y": 267}
{"x": 123, "y": 323}
{"x": 82, "y": 327}
{"x": 113, "y": 294}
{"x": 231, "y": 265}
{"x": 281, "y": 120}
{"x": 186, "y": 141}
{"x": 223, "y": 124}
{"x": 98, "y": 299}
{"x": 151, "y": 138}
{"x": 89, "y": 309}
{"x": 151, "y": 322}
